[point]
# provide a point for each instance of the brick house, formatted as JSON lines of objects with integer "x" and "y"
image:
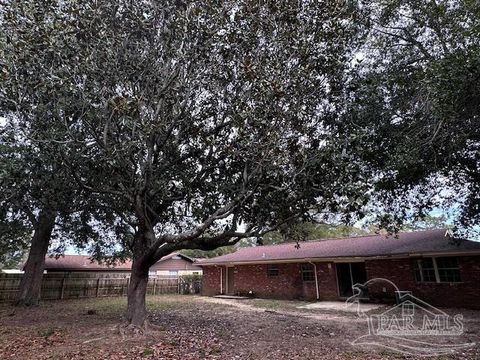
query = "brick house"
{"x": 435, "y": 267}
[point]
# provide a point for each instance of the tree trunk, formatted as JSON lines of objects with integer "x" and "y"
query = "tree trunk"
{"x": 137, "y": 290}
{"x": 29, "y": 292}
{"x": 142, "y": 260}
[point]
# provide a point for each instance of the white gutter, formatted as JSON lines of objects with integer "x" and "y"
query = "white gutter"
{"x": 221, "y": 280}
{"x": 348, "y": 258}
{"x": 316, "y": 279}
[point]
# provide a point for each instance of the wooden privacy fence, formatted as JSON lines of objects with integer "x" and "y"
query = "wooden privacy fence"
{"x": 84, "y": 285}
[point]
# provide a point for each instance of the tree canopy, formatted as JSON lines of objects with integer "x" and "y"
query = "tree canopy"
{"x": 414, "y": 102}
{"x": 155, "y": 139}
{"x": 39, "y": 197}
{"x": 192, "y": 125}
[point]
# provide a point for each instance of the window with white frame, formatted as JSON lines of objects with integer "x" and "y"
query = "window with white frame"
{"x": 272, "y": 270}
{"x": 441, "y": 269}
{"x": 307, "y": 272}
{"x": 448, "y": 269}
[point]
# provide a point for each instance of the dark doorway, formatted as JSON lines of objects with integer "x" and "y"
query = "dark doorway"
{"x": 349, "y": 274}
{"x": 230, "y": 280}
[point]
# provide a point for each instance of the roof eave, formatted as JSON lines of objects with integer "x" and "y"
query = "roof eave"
{"x": 346, "y": 258}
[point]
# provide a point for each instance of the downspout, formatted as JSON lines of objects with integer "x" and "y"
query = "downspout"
{"x": 221, "y": 280}
{"x": 316, "y": 279}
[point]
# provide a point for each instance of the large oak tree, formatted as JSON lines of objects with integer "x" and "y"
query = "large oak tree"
{"x": 38, "y": 197}
{"x": 202, "y": 123}
{"x": 197, "y": 124}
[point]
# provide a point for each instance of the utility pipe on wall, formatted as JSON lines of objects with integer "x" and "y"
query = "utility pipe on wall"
{"x": 316, "y": 279}
{"x": 221, "y": 280}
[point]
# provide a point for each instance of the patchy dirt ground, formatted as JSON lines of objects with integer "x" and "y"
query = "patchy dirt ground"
{"x": 196, "y": 328}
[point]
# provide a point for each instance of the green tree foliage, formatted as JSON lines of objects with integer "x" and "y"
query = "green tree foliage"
{"x": 430, "y": 222}
{"x": 13, "y": 259}
{"x": 302, "y": 231}
{"x": 415, "y": 102}
{"x": 194, "y": 124}
{"x": 202, "y": 254}
{"x": 38, "y": 192}
{"x": 14, "y": 241}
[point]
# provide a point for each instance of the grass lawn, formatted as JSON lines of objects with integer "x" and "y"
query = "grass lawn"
{"x": 190, "y": 327}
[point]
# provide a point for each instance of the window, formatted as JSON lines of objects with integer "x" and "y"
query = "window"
{"x": 444, "y": 269}
{"x": 272, "y": 270}
{"x": 448, "y": 269}
{"x": 173, "y": 273}
{"x": 425, "y": 270}
{"x": 307, "y": 272}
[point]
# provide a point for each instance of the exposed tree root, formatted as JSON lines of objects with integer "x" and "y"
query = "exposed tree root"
{"x": 22, "y": 303}
{"x": 131, "y": 330}
{"x": 154, "y": 327}
{"x": 127, "y": 329}
{"x": 7, "y": 313}
{"x": 92, "y": 340}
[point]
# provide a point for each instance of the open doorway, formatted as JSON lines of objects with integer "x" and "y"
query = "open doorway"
{"x": 349, "y": 274}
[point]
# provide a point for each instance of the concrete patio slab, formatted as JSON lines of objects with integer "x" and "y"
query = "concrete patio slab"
{"x": 232, "y": 297}
{"x": 340, "y": 306}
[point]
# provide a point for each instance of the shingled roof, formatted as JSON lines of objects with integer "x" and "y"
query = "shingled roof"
{"x": 82, "y": 263}
{"x": 403, "y": 243}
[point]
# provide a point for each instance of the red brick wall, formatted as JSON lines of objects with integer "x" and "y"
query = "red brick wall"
{"x": 400, "y": 271}
{"x": 211, "y": 280}
{"x": 287, "y": 285}
{"x": 327, "y": 281}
